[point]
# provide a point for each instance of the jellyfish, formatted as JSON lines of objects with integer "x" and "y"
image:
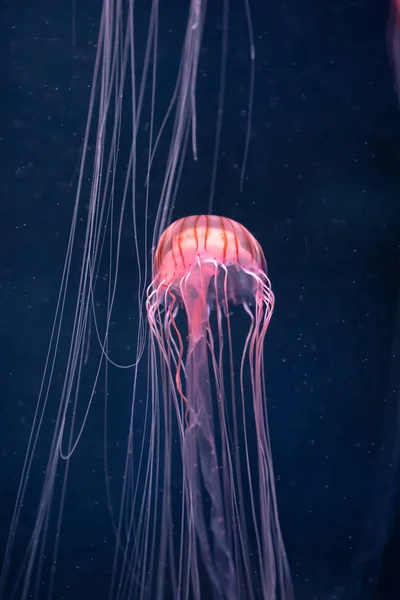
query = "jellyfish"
{"x": 189, "y": 504}
{"x": 393, "y": 44}
{"x": 202, "y": 266}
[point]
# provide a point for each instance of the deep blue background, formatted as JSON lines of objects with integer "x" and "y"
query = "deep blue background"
{"x": 321, "y": 195}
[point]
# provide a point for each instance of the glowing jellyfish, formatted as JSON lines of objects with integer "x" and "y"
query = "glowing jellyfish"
{"x": 393, "y": 43}
{"x": 192, "y": 510}
{"x": 229, "y": 520}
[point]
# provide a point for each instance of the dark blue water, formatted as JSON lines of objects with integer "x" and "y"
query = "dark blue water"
{"x": 321, "y": 194}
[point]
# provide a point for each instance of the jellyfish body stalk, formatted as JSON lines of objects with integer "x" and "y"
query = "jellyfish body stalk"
{"x": 200, "y": 453}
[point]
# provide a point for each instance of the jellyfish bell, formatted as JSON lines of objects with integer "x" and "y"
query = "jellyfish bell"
{"x": 204, "y": 260}
{"x": 230, "y": 518}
